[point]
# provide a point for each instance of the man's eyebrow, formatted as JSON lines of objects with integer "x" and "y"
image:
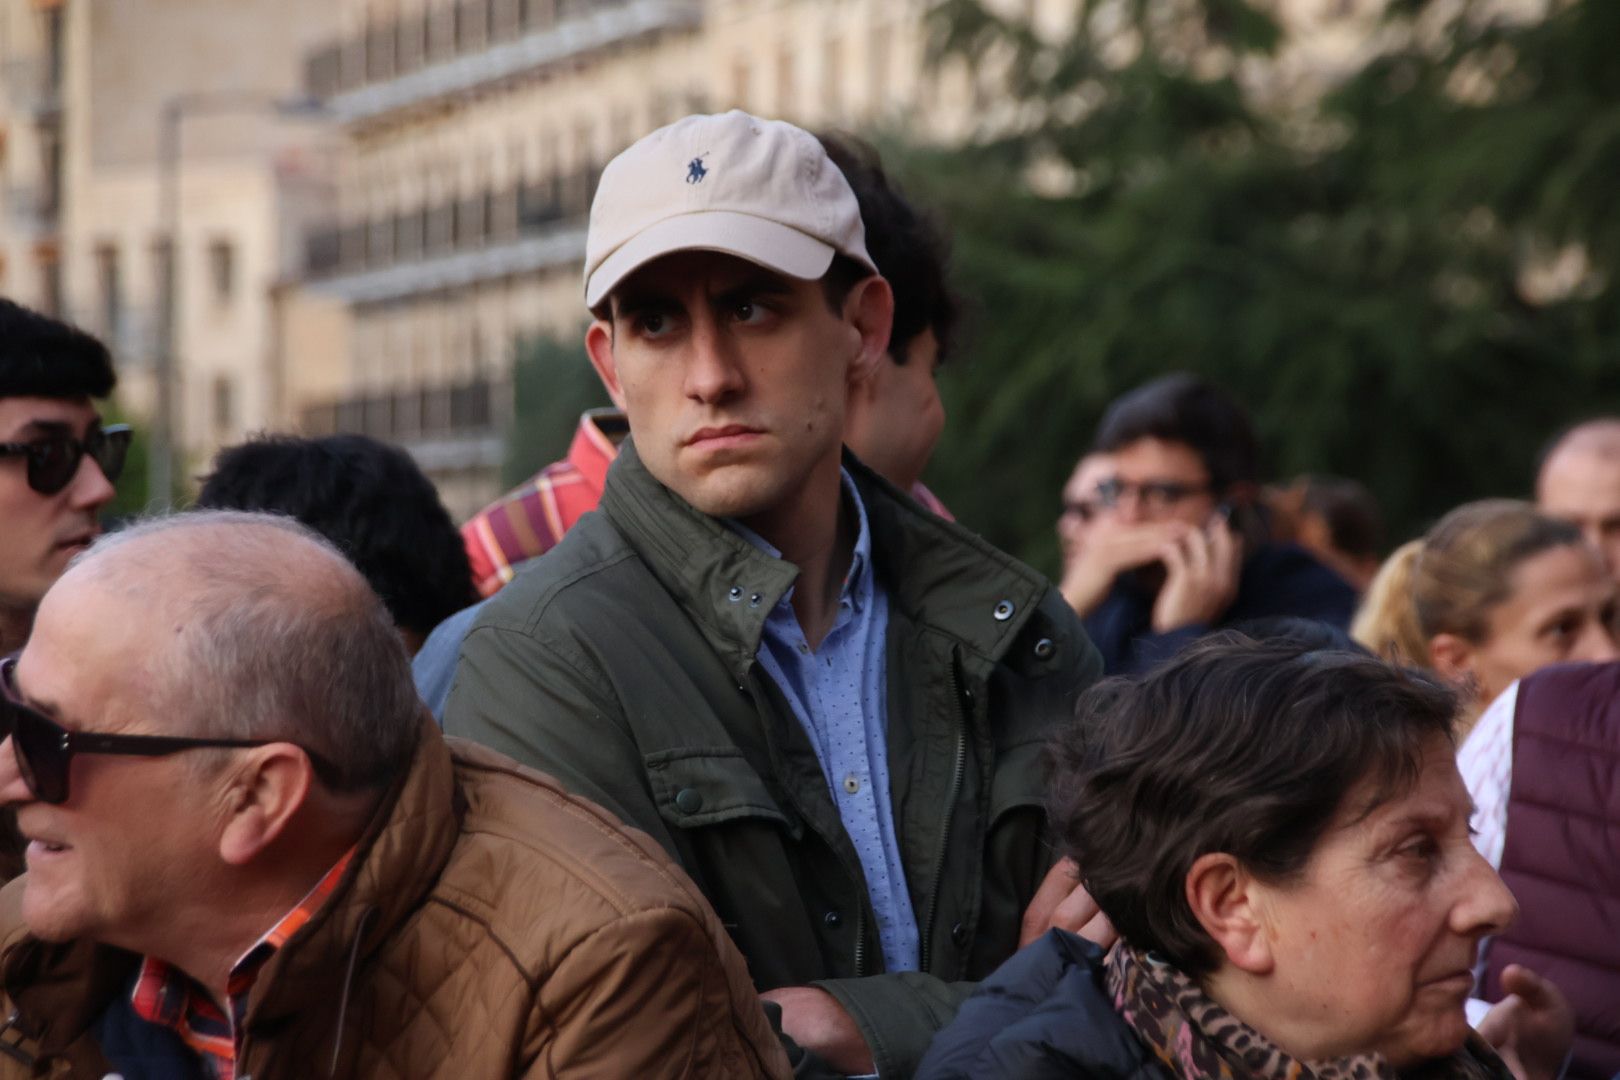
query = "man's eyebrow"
{"x": 48, "y": 708}
{"x": 639, "y": 303}
{"x": 36, "y": 428}
{"x": 761, "y": 284}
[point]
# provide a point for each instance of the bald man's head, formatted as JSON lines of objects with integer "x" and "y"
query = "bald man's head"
{"x": 251, "y": 626}
{"x": 1579, "y": 481}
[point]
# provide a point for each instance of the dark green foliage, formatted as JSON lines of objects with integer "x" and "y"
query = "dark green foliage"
{"x": 552, "y": 383}
{"x": 1355, "y": 278}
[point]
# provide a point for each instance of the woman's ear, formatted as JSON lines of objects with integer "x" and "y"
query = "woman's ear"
{"x": 1230, "y": 905}
{"x": 1453, "y": 657}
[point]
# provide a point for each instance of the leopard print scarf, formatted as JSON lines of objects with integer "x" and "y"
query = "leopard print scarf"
{"x": 1196, "y": 1039}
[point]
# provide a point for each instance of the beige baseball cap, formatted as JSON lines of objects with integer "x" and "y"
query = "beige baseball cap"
{"x": 762, "y": 190}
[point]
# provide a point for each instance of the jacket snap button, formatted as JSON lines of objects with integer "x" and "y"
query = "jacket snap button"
{"x": 959, "y": 935}
{"x": 1004, "y": 611}
{"x": 735, "y": 594}
{"x": 1044, "y": 648}
{"x": 833, "y": 919}
{"x": 689, "y": 800}
{"x": 753, "y": 601}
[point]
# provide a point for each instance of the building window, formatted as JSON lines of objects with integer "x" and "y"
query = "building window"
{"x": 222, "y": 270}
{"x": 224, "y": 403}
{"x": 739, "y": 83}
{"x": 832, "y": 79}
{"x": 784, "y": 82}
{"x": 111, "y": 296}
{"x": 50, "y": 285}
{"x": 163, "y": 282}
{"x": 877, "y": 45}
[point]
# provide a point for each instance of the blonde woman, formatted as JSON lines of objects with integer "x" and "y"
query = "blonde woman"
{"x": 1493, "y": 592}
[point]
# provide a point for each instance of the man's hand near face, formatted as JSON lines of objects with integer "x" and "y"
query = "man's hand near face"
{"x": 1202, "y": 567}
{"x": 1113, "y": 547}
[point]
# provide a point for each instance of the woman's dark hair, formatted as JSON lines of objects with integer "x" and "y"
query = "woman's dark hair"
{"x": 1235, "y": 746}
{"x": 1186, "y": 409}
{"x": 1355, "y": 524}
{"x": 371, "y": 501}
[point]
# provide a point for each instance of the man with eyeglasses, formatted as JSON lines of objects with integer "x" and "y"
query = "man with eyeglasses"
{"x": 252, "y": 853}
{"x": 1179, "y": 546}
{"x": 50, "y": 495}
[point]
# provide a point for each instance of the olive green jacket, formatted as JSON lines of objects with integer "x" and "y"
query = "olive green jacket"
{"x": 623, "y": 663}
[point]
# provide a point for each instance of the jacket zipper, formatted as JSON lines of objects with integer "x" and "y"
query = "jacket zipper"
{"x": 860, "y": 940}
{"x": 957, "y": 773}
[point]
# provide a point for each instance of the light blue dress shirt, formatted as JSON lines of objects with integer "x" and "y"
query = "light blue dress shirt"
{"x": 839, "y": 693}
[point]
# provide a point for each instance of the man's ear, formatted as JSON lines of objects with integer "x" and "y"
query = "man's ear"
{"x": 599, "y": 345}
{"x": 266, "y": 790}
{"x": 1230, "y": 905}
{"x": 869, "y": 309}
{"x": 1452, "y": 655}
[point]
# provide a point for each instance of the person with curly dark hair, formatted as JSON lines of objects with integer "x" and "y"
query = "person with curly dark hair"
{"x": 1280, "y": 835}
{"x": 368, "y": 498}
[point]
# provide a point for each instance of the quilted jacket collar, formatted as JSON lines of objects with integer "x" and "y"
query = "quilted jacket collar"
{"x": 61, "y": 990}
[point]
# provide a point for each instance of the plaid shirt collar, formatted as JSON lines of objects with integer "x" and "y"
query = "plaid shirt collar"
{"x": 167, "y": 996}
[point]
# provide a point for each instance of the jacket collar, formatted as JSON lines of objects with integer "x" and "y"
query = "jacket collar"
{"x": 937, "y": 574}
{"x": 62, "y": 990}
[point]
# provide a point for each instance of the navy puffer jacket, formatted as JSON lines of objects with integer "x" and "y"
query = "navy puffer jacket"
{"x": 1043, "y": 1015}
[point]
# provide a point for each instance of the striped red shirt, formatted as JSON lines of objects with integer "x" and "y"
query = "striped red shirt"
{"x": 167, "y": 996}
{"x": 529, "y": 520}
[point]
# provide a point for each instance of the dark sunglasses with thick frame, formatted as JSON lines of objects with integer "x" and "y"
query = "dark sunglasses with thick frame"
{"x": 45, "y": 749}
{"x": 53, "y": 461}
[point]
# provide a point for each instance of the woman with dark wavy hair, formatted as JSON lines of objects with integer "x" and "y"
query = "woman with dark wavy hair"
{"x": 1280, "y": 836}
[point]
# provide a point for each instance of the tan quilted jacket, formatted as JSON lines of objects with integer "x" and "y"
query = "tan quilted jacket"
{"x": 491, "y": 926}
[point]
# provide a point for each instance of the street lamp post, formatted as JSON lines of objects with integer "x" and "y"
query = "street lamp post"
{"x": 165, "y": 414}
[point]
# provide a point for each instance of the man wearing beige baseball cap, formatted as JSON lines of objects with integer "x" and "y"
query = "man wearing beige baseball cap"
{"x": 826, "y": 702}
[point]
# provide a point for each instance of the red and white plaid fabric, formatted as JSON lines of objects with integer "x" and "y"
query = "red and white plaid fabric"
{"x": 167, "y": 996}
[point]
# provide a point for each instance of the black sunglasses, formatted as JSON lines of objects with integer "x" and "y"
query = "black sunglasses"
{"x": 45, "y": 748}
{"x": 54, "y": 460}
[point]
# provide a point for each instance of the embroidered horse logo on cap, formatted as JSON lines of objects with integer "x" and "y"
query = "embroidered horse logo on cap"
{"x": 695, "y": 172}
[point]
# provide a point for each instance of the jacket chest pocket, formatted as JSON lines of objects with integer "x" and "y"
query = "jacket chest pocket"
{"x": 1018, "y": 782}
{"x": 700, "y": 787}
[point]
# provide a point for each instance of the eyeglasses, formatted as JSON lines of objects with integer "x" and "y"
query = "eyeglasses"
{"x": 54, "y": 460}
{"x": 1152, "y": 494}
{"x": 45, "y": 749}
{"x": 1085, "y": 511}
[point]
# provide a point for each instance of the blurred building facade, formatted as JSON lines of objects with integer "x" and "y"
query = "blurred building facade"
{"x": 87, "y": 231}
{"x": 378, "y": 271}
{"x": 478, "y": 129}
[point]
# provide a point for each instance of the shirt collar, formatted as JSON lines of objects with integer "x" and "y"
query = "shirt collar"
{"x": 167, "y": 996}
{"x": 596, "y": 444}
{"x": 857, "y": 581}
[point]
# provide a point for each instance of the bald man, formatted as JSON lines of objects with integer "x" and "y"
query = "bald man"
{"x": 1579, "y": 482}
{"x": 251, "y": 852}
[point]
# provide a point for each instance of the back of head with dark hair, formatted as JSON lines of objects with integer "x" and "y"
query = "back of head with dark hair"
{"x": 910, "y": 250}
{"x": 1354, "y": 522}
{"x": 1186, "y": 409}
{"x": 371, "y": 501}
{"x": 1247, "y": 748}
{"x": 42, "y": 357}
